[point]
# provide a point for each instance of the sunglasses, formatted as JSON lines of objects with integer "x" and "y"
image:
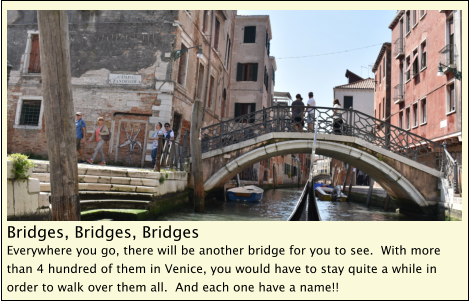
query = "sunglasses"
{"x": 100, "y": 120}
{"x": 167, "y": 125}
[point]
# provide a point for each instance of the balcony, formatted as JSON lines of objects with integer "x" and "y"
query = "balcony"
{"x": 399, "y": 48}
{"x": 399, "y": 93}
{"x": 448, "y": 56}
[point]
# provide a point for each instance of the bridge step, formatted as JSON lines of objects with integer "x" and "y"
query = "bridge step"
{"x": 45, "y": 178}
{"x": 46, "y": 187}
{"x": 108, "y": 195}
{"x": 115, "y": 214}
{"x": 113, "y": 204}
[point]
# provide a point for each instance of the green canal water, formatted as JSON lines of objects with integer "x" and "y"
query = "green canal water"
{"x": 277, "y": 205}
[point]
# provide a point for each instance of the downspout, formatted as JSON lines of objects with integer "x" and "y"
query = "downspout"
{"x": 208, "y": 70}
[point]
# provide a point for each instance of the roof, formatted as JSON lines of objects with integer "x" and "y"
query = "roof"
{"x": 283, "y": 95}
{"x": 381, "y": 53}
{"x": 348, "y": 72}
{"x": 361, "y": 84}
{"x": 395, "y": 20}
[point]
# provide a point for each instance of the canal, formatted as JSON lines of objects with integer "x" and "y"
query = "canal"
{"x": 277, "y": 205}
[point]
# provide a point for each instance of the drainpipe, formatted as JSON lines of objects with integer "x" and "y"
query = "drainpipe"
{"x": 208, "y": 70}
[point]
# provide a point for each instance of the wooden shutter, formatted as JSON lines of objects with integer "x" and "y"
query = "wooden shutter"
{"x": 239, "y": 71}
{"x": 252, "y": 110}
{"x": 255, "y": 72}
{"x": 34, "y": 60}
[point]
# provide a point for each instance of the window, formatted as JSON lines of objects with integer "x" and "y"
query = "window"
{"x": 216, "y": 34}
{"x": 204, "y": 21}
{"x": 380, "y": 110}
{"x": 408, "y": 22}
{"x": 415, "y": 115}
{"x": 244, "y": 109}
{"x": 183, "y": 66}
{"x": 380, "y": 75}
{"x": 222, "y": 108}
{"x": 227, "y": 52}
{"x": 450, "y": 30}
{"x": 424, "y": 118}
{"x": 415, "y": 64}
{"x": 408, "y": 68}
{"x": 400, "y": 119}
{"x": 247, "y": 72}
{"x": 250, "y": 34}
{"x": 450, "y": 98}
{"x": 421, "y": 14}
{"x": 211, "y": 92}
{"x": 384, "y": 66}
{"x": 268, "y": 44}
{"x": 273, "y": 77}
{"x": 423, "y": 54}
{"x": 29, "y": 112}
{"x": 383, "y": 108}
{"x": 348, "y": 102}
{"x": 415, "y": 18}
{"x": 266, "y": 78}
{"x": 407, "y": 117}
{"x": 34, "y": 57}
{"x": 200, "y": 82}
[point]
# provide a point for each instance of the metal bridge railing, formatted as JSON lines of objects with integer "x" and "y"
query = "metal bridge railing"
{"x": 351, "y": 123}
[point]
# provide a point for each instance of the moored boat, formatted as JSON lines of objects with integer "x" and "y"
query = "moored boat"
{"x": 324, "y": 194}
{"x": 248, "y": 193}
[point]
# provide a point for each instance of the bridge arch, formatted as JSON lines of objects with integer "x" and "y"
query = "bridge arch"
{"x": 397, "y": 185}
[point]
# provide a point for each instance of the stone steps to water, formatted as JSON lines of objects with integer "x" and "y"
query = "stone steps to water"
{"x": 113, "y": 204}
{"x": 46, "y": 187}
{"x": 115, "y": 214}
{"x": 45, "y": 178}
{"x": 106, "y": 195}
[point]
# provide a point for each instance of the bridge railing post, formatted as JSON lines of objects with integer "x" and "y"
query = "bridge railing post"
{"x": 349, "y": 125}
{"x": 278, "y": 126}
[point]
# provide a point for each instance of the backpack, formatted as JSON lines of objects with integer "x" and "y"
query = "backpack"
{"x": 106, "y": 137}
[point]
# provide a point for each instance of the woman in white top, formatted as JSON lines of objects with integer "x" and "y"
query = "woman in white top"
{"x": 337, "y": 119}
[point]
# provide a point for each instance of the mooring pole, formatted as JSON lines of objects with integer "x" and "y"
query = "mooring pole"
{"x": 59, "y": 114}
{"x": 369, "y": 194}
{"x": 347, "y": 176}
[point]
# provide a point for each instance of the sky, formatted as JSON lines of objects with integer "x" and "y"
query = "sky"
{"x": 304, "y": 33}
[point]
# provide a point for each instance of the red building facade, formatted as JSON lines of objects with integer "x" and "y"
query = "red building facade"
{"x": 423, "y": 102}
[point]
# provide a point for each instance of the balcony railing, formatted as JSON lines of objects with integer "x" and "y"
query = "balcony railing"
{"x": 448, "y": 56}
{"x": 399, "y": 48}
{"x": 398, "y": 93}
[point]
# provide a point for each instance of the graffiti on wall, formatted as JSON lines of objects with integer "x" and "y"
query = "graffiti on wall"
{"x": 132, "y": 141}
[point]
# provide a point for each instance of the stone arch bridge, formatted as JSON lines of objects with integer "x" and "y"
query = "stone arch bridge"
{"x": 410, "y": 168}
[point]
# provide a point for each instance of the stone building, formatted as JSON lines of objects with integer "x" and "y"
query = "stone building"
{"x": 424, "y": 102}
{"x": 124, "y": 69}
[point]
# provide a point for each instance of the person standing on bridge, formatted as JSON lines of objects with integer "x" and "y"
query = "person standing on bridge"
{"x": 310, "y": 112}
{"x": 337, "y": 118}
{"x": 154, "y": 138}
{"x": 298, "y": 113}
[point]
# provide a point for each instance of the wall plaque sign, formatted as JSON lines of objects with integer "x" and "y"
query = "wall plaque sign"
{"x": 125, "y": 79}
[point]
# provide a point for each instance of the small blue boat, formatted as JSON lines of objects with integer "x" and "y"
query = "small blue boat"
{"x": 248, "y": 193}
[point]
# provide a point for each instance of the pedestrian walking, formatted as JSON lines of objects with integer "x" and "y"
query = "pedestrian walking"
{"x": 310, "y": 112}
{"x": 158, "y": 131}
{"x": 100, "y": 135}
{"x": 360, "y": 178}
{"x": 298, "y": 113}
{"x": 366, "y": 180}
{"x": 81, "y": 131}
{"x": 337, "y": 118}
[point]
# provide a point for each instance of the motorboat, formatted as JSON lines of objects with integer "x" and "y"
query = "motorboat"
{"x": 249, "y": 193}
{"x": 326, "y": 193}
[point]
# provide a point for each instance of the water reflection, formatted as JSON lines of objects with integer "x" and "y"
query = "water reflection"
{"x": 277, "y": 205}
